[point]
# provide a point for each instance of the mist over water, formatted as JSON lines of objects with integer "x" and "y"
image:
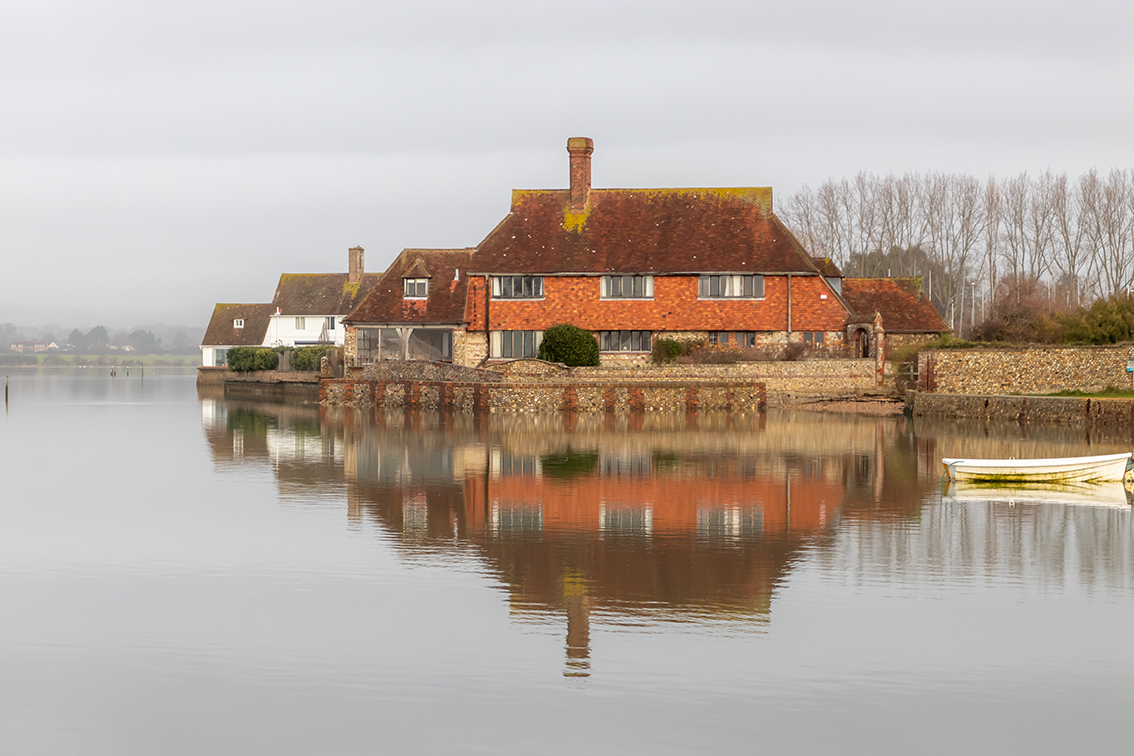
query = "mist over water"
{"x": 182, "y": 574}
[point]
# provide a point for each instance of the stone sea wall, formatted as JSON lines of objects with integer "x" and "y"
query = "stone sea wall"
{"x": 1036, "y": 370}
{"x": 543, "y": 396}
{"x": 823, "y": 376}
{"x": 1080, "y": 411}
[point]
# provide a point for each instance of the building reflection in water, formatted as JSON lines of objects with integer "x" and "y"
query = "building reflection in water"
{"x": 630, "y": 520}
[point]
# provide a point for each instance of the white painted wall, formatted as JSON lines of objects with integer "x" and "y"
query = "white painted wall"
{"x": 282, "y": 330}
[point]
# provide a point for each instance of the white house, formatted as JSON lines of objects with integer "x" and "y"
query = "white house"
{"x": 307, "y": 309}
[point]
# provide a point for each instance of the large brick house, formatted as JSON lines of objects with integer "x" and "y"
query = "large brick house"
{"x": 630, "y": 265}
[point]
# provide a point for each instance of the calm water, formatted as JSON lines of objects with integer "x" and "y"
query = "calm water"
{"x": 182, "y": 575}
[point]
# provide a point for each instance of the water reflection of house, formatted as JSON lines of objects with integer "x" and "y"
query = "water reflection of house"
{"x": 660, "y": 520}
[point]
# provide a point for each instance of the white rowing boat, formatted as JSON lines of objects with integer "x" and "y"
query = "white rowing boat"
{"x": 1058, "y": 470}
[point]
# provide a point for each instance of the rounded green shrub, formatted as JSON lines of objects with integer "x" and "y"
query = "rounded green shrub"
{"x": 571, "y": 345}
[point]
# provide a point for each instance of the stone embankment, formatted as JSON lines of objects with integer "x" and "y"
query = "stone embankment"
{"x": 1061, "y": 410}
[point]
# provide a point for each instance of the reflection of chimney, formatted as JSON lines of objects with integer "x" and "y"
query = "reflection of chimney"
{"x": 578, "y": 636}
{"x": 580, "y": 149}
{"x": 354, "y": 271}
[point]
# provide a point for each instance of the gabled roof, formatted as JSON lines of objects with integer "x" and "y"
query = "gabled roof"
{"x": 320, "y": 293}
{"x": 222, "y": 333}
{"x": 447, "y": 271}
{"x": 657, "y": 231}
{"x": 904, "y": 307}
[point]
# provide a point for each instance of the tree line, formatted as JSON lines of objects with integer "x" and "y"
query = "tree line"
{"x": 981, "y": 247}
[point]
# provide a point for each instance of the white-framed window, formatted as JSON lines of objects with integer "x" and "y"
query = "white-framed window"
{"x": 515, "y": 344}
{"x": 417, "y": 288}
{"x": 624, "y": 341}
{"x": 300, "y": 323}
{"x": 238, "y": 322}
{"x": 627, "y": 287}
{"x": 729, "y": 286}
{"x": 517, "y": 287}
{"x": 330, "y": 323}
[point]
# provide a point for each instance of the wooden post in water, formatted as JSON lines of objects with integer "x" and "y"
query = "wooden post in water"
{"x": 5, "y": 391}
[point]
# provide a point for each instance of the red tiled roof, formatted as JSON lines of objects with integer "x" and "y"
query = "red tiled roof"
{"x": 656, "y": 231}
{"x": 900, "y": 301}
{"x": 222, "y": 333}
{"x": 386, "y": 302}
{"x": 826, "y": 267}
{"x": 320, "y": 293}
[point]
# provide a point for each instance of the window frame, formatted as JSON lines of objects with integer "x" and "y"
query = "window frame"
{"x": 238, "y": 322}
{"x": 504, "y": 287}
{"x": 642, "y": 283}
{"x": 418, "y": 285}
{"x": 505, "y": 341}
{"x": 625, "y": 341}
{"x": 711, "y": 286}
{"x": 300, "y": 323}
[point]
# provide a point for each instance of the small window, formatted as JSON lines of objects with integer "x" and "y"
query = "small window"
{"x": 517, "y": 287}
{"x": 624, "y": 341}
{"x": 814, "y": 338}
{"x": 627, "y": 287}
{"x": 330, "y": 323}
{"x": 300, "y": 323}
{"x": 417, "y": 288}
{"x": 733, "y": 287}
{"x": 238, "y": 323}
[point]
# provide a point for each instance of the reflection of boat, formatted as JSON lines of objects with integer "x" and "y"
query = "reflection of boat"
{"x": 1106, "y": 494}
{"x": 1061, "y": 469}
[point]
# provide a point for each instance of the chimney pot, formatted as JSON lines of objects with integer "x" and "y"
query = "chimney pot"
{"x": 580, "y": 149}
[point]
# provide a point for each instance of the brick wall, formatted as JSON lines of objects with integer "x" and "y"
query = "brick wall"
{"x": 674, "y": 307}
{"x": 1038, "y": 370}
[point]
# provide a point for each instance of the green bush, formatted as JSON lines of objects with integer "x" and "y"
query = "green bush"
{"x": 571, "y": 345}
{"x": 309, "y": 358}
{"x": 247, "y": 359}
{"x": 666, "y": 350}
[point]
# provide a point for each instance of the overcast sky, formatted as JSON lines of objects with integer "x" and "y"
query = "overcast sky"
{"x": 156, "y": 158}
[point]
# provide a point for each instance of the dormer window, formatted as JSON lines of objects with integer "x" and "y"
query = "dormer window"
{"x": 238, "y": 323}
{"x": 417, "y": 288}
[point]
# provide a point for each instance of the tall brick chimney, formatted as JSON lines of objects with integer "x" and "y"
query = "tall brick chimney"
{"x": 354, "y": 271}
{"x": 580, "y": 149}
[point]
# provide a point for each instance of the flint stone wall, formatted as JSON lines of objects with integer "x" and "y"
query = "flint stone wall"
{"x": 546, "y": 396}
{"x": 1035, "y": 370}
{"x": 823, "y": 376}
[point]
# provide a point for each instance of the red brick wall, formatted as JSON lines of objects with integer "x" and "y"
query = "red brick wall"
{"x": 675, "y": 307}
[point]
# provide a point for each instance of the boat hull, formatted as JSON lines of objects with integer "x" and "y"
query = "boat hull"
{"x": 1108, "y": 467}
{"x": 1103, "y": 494}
